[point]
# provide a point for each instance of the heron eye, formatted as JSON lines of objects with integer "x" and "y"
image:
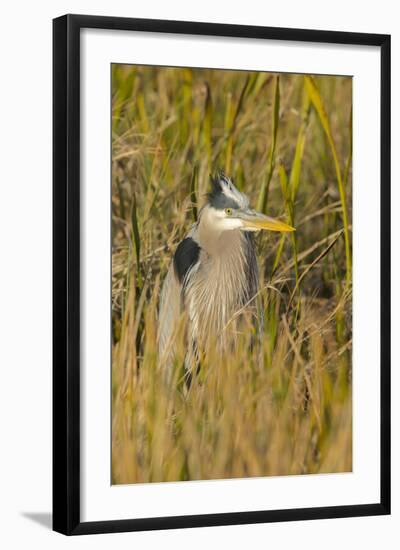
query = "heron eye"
{"x": 228, "y": 211}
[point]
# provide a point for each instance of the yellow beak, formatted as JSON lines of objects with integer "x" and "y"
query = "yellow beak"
{"x": 256, "y": 221}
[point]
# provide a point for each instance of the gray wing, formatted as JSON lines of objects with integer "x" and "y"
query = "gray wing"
{"x": 169, "y": 313}
{"x": 172, "y": 302}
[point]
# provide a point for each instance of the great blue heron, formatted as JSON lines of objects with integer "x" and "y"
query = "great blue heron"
{"x": 214, "y": 273}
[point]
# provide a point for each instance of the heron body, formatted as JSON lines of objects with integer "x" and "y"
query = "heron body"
{"x": 213, "y": 277}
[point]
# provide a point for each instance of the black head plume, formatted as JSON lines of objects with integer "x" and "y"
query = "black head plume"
{"x": 216, "y": 181}
{"x": 218, "y": 196}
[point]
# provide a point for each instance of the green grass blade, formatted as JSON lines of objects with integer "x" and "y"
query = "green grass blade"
{"x": 135, "y": 230}
{"x": 317, "y": 102}
{"x": 231, "y": 119}
{"x": 298, "y": 155}
{"x": 187, "y": 81}
{"x": 283, "y": 180}
{"x": 207, "y": 126}
{"x": 142, "y": 114}
{"x": 263, "y": 196}
{"x": 349, "y": 158}
{"x": 228, "y": 121}
{"x": 193, "y": 193}
{"x": 287, "y": 195}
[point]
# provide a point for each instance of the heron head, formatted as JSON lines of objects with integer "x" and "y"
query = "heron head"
{"x": 229, "y": 209}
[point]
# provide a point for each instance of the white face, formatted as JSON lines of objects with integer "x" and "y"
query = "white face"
{"x": 222, "y": 220}
{"x": 217, "y": 220}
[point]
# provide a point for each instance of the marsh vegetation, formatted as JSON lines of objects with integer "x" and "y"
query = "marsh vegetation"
{"x": 286, "y": 142}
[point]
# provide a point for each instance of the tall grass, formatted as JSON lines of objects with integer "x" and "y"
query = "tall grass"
{"x": 286, "y": 141}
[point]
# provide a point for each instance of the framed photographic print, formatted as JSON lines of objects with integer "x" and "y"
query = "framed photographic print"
{"x": 221, "y": 274}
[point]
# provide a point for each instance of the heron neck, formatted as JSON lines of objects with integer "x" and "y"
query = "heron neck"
{"x": 221, "y": 244}
{"x": 217, "y": 242}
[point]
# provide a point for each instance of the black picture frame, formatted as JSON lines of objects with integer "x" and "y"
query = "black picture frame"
{"x": 66, "y": 273}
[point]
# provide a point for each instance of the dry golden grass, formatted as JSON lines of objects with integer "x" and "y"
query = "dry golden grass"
{"x": 286, "y": 141}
